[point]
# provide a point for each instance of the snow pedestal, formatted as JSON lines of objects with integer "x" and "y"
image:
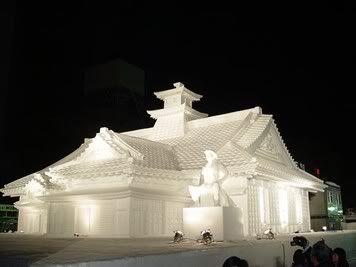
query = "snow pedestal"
{"x": 225, "y": 223}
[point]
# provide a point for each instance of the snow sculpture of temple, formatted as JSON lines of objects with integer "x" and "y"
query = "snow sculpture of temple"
{"x": 135, "y": 183}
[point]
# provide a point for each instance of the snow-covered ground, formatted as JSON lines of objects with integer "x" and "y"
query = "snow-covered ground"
{"x": 26, "y": 250}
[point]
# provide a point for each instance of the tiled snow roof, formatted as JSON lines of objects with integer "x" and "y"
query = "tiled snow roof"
{"x": 292, "y": 174}
{"x": 155, "y": 155}
{"x": 24, "y": 180}
{"x": 232, "y": 154}
{"x": 19, "y": 182}
{"x": 234, "y": 137}
{"x": 250, "y": 135}
{"x": 149, "y": 154}
{"x": 89, "y": 169}
{"x": 190, "y": 148}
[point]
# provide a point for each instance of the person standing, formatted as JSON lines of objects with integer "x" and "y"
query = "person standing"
{"x": 339, "y": 258}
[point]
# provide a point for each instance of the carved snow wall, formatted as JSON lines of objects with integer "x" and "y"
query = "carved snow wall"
{"x": 125, "y": 217}
{"x": 32, "y": 220}
{"x": 282, "y": 208}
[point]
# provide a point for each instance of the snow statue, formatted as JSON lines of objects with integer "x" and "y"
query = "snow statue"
{"x": 213, "y": 208}
{"x": 209, "y": 192}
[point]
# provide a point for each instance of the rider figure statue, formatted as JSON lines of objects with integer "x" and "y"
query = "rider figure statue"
{"x": 209, "y": 192}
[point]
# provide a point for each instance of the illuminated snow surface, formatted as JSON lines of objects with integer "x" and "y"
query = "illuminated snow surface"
{"x": 30, "y": 250}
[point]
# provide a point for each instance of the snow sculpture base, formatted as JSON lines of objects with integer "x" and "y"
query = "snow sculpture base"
{"x": 224, "y": 222}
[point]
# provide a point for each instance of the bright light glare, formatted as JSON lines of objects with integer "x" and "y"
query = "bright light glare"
{"x": 192, "y": 217}
{"x": 283, "y": 207}
{"x": 262, "y": 205}
{"x": 88, "y": 216}
{"x": 298, "y": 208}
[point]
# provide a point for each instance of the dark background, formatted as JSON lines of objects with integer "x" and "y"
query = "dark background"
{"x": 296, "y": 62}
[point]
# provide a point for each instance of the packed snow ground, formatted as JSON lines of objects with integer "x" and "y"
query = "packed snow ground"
{"x": 30, "y": 250}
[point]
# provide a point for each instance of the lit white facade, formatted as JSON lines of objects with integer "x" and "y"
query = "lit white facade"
{"x": 135, "y": 184}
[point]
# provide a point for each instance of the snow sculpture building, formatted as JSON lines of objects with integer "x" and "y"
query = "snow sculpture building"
{"x": 135, "y": 183}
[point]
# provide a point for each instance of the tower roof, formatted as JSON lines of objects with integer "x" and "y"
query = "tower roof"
{"x": 179, "y": 89}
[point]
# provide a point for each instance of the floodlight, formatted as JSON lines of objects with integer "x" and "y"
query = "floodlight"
{"x": 269, "y": 234}
{"x": 178, "y": 236}
{"x": 207, "y": 236}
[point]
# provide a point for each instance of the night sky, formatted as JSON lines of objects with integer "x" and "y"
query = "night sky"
{"x": 298, "y": 66}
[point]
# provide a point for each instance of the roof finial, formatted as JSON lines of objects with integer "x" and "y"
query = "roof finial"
{"x": 178, "y": 85}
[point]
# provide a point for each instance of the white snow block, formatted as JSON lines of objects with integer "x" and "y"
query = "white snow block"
{"x": 225, "y": 223}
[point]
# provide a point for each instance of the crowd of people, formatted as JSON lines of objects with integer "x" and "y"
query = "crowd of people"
{"x": 320, "y": 254}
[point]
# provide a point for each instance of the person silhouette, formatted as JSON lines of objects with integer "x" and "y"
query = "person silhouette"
{"x": 235, "y": 262}
{"x": 339, "y": 258}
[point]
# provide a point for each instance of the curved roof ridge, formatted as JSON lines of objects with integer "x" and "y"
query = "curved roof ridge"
{"x": 124, "y": 135}
{"x": 255, "y": 131}
{"x": 222, "y": 118}
{"x": 277, "y": 167}
{"x": 75, "y": 154}
{"x": 291, "y": 159}
{"x": 117, "y": 143}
